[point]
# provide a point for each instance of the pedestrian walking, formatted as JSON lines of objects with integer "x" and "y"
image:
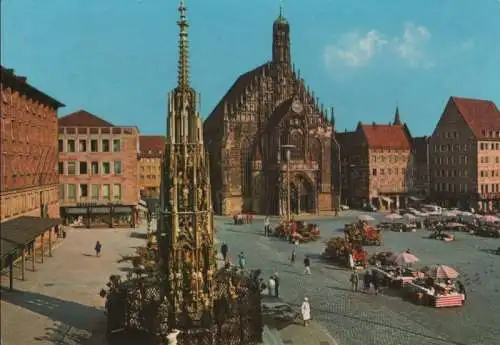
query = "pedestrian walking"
{"x": 271, "y": 286}
{"x": 267, "y": 226}
{"x": 276, "y": 285}
{"x": 292, "y": 257}
{"x": 306, "y": 311}
{"x": 354, "y": 280}
{"x": 224, "y": 250}
{"x": 98, "y": 248}
{"x": 366, "y": 281}
{"x": 307, "y": 265}
{"x": 242, "y": 260}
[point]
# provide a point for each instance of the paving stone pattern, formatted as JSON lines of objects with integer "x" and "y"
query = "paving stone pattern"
{"x": 59, "y": 302}
{"x": 386, "y": 319}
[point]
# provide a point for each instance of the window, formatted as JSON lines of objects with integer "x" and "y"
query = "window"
{"x": 60, "y": 145}
{"x": 71, "y": 145}
{"x": 72, "y": 191}
{"x": 94, "y": 168}
{"x": 105, "y": 191}
{"x": 83, "y": 168}
{"x": 117, "y": 192}
{"x": 84, "y": 191}
{"x": 94, "y": 192}
{"x": 93, "y": 145}
{"x": 71, "y": 169}
{"x": 82, "y": 145}
{"x": 61, "y": 191}
{"x": 105, "y": 145}
{"x": 117, "y": 145}
{"x": 60, "y": 168}
{"x": 117, "y": 167}
{"x": 106, "y": 168}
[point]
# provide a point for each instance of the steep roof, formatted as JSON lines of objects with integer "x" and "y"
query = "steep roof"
{"x": 214, "y": 119}
{"x": 20, "y": 84}
{"x": 83, "y": 118}
{"x": 153, "y": 145}
{"x": 482, "y": 116}
{"x": 385, "y": 136}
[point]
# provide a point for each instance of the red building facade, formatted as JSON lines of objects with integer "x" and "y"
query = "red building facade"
{"x": 29, "y": 180}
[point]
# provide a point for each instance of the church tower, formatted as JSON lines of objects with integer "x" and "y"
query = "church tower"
{"x": 281, "y": 40}
{"x": 185, "y": 229}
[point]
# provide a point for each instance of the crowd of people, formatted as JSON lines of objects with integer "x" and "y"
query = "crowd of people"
{"x": 272, "y": 286}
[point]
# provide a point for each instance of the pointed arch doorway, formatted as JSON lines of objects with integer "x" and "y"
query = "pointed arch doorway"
{"x": 302, "y": 198}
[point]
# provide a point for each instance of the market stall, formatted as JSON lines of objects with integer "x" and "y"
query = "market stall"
{"x": 439, "y": 288}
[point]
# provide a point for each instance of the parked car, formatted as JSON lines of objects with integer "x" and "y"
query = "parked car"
{"x": 344, "y": 207}
{"x": 370, "y": 208}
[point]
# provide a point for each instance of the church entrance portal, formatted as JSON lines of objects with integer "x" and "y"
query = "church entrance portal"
{"x": 301, "y": 196}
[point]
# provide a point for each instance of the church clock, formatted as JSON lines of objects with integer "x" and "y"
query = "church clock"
{"x": 297, "y": 107}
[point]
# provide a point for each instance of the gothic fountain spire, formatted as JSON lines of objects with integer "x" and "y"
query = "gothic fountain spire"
{"x": 183, "y": 65}
{"x": 185, "y": 228}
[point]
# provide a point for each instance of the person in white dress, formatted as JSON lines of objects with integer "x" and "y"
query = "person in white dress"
{"x": 306, "y": 311}
{"x": 271, "y": 286}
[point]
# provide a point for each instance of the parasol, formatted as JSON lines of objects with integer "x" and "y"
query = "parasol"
{"x": 454, "y": 225}
{"x": 409, "y": 216}
{"x": 404, "y": 258}
{"x": 489, "y": 219}
{"x": 366, "y": 218}
{"x": 449, "y": 214}
{"x": 442, "y": 272}
{"x": 393, "y": 216}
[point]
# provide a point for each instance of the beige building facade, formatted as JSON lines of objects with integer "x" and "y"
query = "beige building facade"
{"x": 152, "y": 151}
{"x": 377, "y": 165}
{"x": 465, "y": 155}
{"x": 98, "y": 162}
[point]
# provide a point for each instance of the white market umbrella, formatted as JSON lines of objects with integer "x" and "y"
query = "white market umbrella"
{"x": 409, "y": 216}
{"x": 449, "y": 214}
{"x": 442, "y": 272}
{"x": 366, "y": 218}
{"x": 489, "y": 219}
{"x": 454, "y": 225}
{"x": 393, "y": 216}
{"x": 404, "y": 258}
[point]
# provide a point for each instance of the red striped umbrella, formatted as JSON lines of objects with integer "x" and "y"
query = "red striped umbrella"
{"x": 442, "y": 272}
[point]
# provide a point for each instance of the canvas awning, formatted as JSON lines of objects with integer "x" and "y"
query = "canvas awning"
{"x": 20, "y": 231}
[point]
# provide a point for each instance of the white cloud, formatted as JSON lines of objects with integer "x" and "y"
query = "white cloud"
{"x": 411, "y": 45}
{"x": 356, "y": 50}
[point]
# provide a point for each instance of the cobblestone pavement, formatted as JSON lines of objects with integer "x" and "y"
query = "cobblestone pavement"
{"x": 59, "y": 302}
{"x": 355, "y": 318}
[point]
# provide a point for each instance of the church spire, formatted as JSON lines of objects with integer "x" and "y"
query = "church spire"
{"x": 281, "y": 39}
{"x": 397, "y": 118}
{"x": 183, "y": 65}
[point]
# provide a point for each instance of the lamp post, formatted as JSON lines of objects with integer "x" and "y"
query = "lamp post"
{"x": 288, "y": 157}
{"x": 338, "y": 195}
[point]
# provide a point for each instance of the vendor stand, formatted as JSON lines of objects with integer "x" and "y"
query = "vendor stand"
{"x": 438, "y": 290}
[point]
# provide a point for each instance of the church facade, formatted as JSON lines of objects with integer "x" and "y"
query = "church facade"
{"x": 268, "y": 111}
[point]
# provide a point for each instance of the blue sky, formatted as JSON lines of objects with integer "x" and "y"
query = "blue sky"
{"x": 117, "y": 58}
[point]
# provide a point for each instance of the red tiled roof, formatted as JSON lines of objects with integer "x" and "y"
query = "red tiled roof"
{"x": 385, "y": 136}
{"x": 153, "y": 145}
{"x": 482, "y": 116}
{"x": 83, "y": 118}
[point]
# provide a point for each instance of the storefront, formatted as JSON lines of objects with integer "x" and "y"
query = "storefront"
{"x": 99, "y": 216}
